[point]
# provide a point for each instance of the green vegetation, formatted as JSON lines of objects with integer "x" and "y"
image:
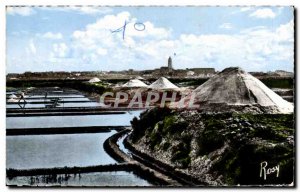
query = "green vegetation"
{"x": 287, "y": 83}
{"x": 10, "y": 88}
{"x": 272, "y": 126}
{"x": 147, "y": 122}
{"x": 210, "y": 139}
{"x": 161, "y": 123}
{"x": 236, "y": 144}
{"x": 180, "y": 154}
{"x": 98, "y": 88}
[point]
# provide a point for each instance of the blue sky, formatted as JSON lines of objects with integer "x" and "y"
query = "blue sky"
{"x": 80, "y": 38}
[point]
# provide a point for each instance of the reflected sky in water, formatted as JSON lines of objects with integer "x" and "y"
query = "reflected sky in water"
{"x": 71, "y": 121}
{"x": 47, "y": 151}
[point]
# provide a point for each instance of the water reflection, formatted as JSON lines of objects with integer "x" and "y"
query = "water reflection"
{"x": 91, "y": 104}
{"x": 30, "y": 99}
{"x": 48, "y": 151}
{"x": 71, "y": 121}
{"x": 53, "y": 95}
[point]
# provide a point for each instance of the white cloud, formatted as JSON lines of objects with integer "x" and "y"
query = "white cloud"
{"x": 105, "y": 26}
{"x": 101, "y": 38}
{"x": 244, "y": 9}
{"x": 286, "y": 32}
{"x": 226, "y": 26}
{"x": 101, "y": 51}
{"x": 60, "y": 50}
{"x": 32, "y": 47}
{"x": 263, "y": 13}
{"x": 23, "y": 11}
{"x": 50, "y": 35}
{"x": 252, "y": 49}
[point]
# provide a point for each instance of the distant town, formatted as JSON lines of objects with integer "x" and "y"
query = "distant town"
{"x": 167, "y": 71}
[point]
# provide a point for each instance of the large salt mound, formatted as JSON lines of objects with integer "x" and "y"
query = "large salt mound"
{"x": 134, "y": 83}
{"x": 162, "y": 83}
{"x": 235, "y": 90}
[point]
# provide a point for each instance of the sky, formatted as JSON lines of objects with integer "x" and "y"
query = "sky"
{"x": 95, "y": 38}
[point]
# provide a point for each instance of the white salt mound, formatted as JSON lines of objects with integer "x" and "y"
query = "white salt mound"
{"x": 139, "y": 77}
{"x": 13, "y": 100}
{"x": 94, "y": 80}
{"x": 236, "y": 90}
{"x": 162, "y": 83}
{"x": 12, "y": 96}
{"x": 134, "y": 83}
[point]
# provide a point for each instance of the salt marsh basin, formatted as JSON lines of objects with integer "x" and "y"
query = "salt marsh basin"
{"x": 70, "y": 121}
{"x": 51, "y": 150}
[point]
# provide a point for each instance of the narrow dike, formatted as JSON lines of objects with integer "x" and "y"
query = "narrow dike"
{"x": 11, "y": 173}
{"x": 151, "y": 175}
{"x": 20, "y": 114}
{"x": 185, "y": 179}
{"x": 62, "y": 130}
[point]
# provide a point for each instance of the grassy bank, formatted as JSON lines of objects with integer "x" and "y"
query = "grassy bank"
{"x": 231, "y": 147}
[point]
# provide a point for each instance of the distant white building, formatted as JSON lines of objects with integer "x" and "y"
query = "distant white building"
{"x": 190, "y": 73}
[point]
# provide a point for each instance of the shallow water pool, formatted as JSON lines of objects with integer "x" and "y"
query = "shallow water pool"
{"x": 71, "y": 121}
{"x": 48, "y": 151}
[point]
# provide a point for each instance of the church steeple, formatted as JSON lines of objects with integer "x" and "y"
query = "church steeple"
{"x": 170, "y": 67}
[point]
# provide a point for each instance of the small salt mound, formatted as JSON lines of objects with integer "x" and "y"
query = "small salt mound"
{"x": 139, "y": 77}
{"x": 94, "y": 80}
{"x": 162, "y": 83}
{"x": 12, "y": 96}
{"x": 134, "y": 83}
{"x": 234, "y": 89}
{"x": 13, "y": 100}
